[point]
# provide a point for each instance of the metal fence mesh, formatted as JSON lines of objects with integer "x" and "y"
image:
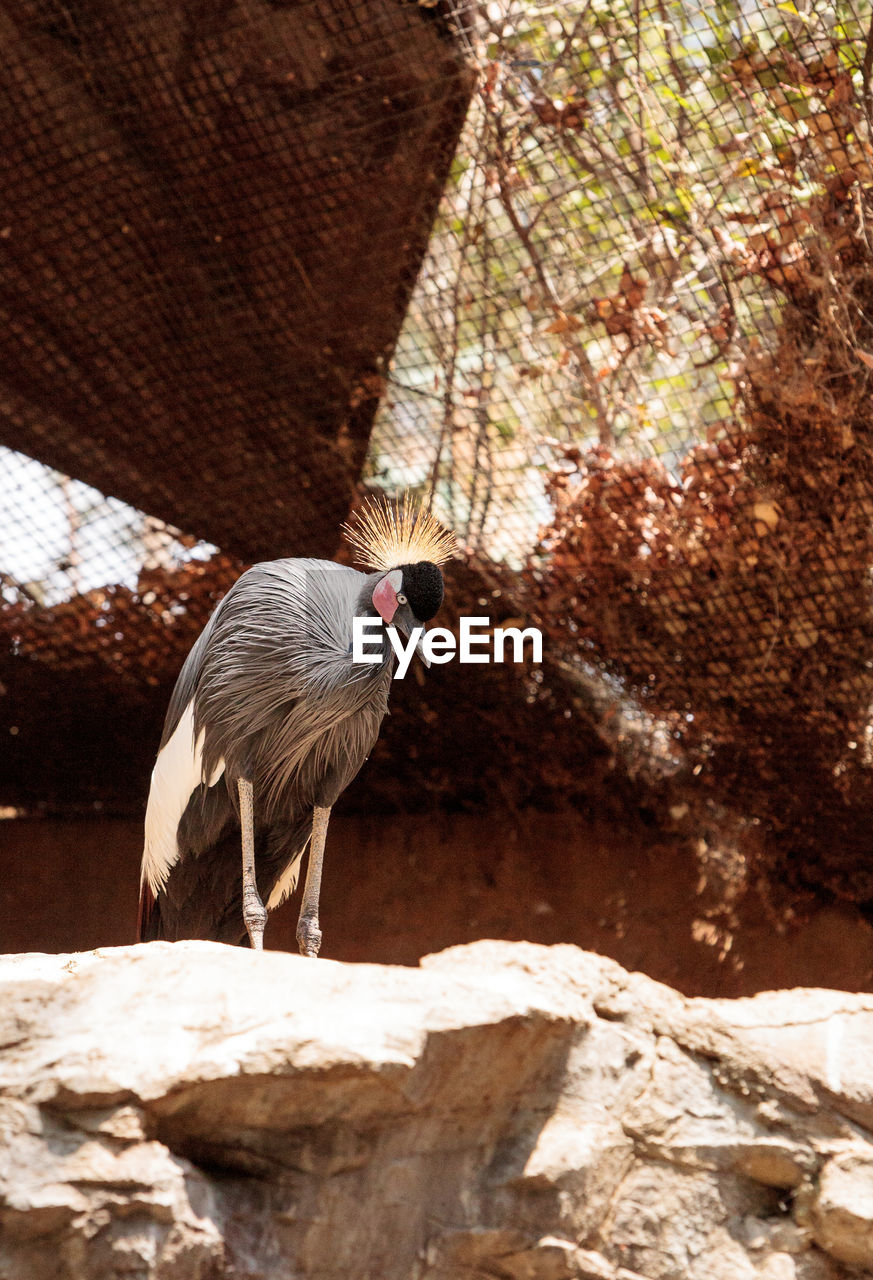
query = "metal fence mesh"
{"x": 635, "y": 189}
{"x": 637, "y": 364}
{"x": 635, "y": 369}
{"x": 60, "y": 538}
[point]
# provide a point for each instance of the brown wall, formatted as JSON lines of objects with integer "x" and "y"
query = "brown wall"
{"x": 397, "y": 887}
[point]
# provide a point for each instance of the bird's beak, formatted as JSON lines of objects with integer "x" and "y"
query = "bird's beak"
{"x": 419, "y": 648}
{"x": 406, "y": 621}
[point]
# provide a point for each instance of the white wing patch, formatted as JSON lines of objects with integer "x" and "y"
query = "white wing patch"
{"x": 287, "y": 882}
{"x": 178, "y": 772}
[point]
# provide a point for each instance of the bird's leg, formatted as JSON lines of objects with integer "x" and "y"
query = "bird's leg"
{"x": 254, "y": 914}
{"x": 308, "y": 932}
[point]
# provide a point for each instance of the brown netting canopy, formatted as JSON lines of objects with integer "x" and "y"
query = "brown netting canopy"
{"x": 630, "y": 362}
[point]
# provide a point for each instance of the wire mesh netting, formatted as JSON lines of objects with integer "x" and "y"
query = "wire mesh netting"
{"x": 199, "y": 206}
{"x": 638, "y": 364}
{"x": 213, "y": 217}
{"x": 74, "y": 539}
{"x": 634, "y": 368}
{"x": 635, "y": 190}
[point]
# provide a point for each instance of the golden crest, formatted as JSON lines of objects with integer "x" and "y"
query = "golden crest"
{"x": 386, "y": 534}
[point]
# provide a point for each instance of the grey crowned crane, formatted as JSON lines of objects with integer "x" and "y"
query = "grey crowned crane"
{"x": 270, "y": 720}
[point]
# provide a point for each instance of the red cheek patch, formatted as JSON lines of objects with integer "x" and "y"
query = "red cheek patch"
{"x": 385, "y": 600}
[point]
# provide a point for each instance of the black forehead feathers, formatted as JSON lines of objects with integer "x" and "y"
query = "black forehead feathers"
{"x": 423, "y": 588}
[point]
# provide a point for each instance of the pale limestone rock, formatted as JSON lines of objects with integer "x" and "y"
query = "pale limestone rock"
{"x": 506, "y": 1112}
{"x": 775, "y": 1164}
{"x": 843, "y": 1208}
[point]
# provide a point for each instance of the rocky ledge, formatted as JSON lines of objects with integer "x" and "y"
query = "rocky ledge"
{"x": 191, "y": 1111}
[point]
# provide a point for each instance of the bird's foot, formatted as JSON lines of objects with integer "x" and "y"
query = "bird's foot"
{"x": 308, "y": 936}
{"x": 255, "y": 917}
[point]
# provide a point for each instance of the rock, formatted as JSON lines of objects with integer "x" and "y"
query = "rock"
{"x": 509, "y": 1111}
{"x": 843, "y": 1208}
{"x": 775, "y": 1164}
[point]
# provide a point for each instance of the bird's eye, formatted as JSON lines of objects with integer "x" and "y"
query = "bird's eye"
{"x": 401, "y": 598}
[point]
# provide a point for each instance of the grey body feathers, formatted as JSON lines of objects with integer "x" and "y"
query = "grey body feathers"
{"x": 280, "y": 702}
